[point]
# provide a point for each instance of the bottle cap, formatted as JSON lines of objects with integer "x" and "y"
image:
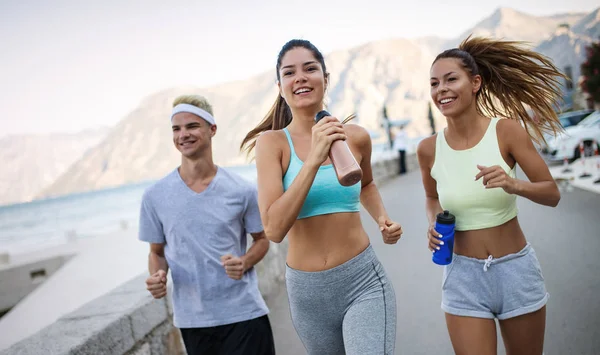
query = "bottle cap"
{"x": 320, "y": 115}
{"x": 445, "y": 218}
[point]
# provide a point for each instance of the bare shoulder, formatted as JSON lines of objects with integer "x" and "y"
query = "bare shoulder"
{"x": 511, "y": 130}
{"x": 271, "y": 140}
{"x": 357, "y": 133}
{"x": 426, "y": 148}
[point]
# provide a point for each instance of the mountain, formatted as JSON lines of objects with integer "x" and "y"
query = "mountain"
{"x": 588, "y": 25}
{"x": 510, "y": 24}
{"x": 32, "y": 162}
{"x": 140, "y": 147}
{"x": 567, "y": 44}
{"x": 566, "y": 49}
{"x": 363, "y": 79}
{"x": 562, "y": 37}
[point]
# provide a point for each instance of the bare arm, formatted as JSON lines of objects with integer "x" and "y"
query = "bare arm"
{"x": 426, "y": 158}
{"x": 156, "y": 283}
{"x": 369, "y": 193}
{"x": 279, "y": 209}
{"x": 256, "y": 252}
{"x": 236, "y": 267}
{"x": 156, "y": 258}
{"x": 541, "y": 187}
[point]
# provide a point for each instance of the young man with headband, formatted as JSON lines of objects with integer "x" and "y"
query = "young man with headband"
{"x": 196, "y": 220}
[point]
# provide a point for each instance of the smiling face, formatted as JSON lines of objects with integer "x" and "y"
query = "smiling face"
{"x": 191, "y": 134}
{"x": 453, "y": 89}
{"x": 302, "y": 81}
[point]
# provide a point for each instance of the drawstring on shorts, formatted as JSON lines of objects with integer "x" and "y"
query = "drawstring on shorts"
{"x": 488, "y": 263}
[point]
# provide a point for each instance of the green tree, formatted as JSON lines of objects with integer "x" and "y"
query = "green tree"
{"x": 590, "y": 71}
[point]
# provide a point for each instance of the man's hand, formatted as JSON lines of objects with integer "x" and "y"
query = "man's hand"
{"x": 234, "y": 266}
{"x": 157, "y": 284}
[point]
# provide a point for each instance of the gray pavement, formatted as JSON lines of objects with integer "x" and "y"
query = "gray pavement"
{"x": 567, "y": 242}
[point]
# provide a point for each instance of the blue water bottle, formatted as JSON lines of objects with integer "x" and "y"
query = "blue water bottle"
{"x": 444, "y": 224}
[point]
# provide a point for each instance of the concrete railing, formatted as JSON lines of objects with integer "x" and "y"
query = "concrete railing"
{"x": 129, "y": 321}
{"x": 20, "y": 278}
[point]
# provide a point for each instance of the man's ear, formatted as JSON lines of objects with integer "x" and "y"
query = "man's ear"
{"x": 213, "y": 130}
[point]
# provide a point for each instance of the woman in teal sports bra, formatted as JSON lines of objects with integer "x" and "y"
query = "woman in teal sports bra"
{"x": 469, "y": 169}
{"x": 340, "y": 298}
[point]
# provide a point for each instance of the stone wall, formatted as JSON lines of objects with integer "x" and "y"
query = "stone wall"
{"x": 19, "y": 279}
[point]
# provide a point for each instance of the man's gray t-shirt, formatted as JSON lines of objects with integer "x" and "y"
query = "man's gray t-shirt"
{"x": 197, "y": 229}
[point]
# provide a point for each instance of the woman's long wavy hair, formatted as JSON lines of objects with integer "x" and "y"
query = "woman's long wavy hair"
{"x": 514, "y": 78}
{"x": 280, "y": 115}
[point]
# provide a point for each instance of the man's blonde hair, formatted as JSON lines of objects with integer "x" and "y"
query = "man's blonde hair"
{"x": 194, "y": 100}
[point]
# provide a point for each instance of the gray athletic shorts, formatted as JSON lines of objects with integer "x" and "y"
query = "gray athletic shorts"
{"x": 501, "y": 288}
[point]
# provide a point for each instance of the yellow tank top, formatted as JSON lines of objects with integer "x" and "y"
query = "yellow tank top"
{"x": 474, "y": 206}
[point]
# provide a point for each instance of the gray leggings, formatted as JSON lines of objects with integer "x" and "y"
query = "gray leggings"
{"x": 349, "y": 309}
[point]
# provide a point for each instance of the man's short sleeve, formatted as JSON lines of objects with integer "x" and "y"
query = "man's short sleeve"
{"x": 252, "y": 221}
{"x": 150, "y": 226}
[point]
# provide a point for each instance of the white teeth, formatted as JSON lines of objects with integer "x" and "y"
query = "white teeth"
{"x": 300, "y": 91}
{"x": 445, "y": 101}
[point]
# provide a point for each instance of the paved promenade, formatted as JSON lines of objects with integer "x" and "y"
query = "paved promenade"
{"x": 567, "y": 242}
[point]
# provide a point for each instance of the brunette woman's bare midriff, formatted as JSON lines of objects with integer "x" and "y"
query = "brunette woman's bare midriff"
{"x": 497, "y": 241}
{"x": 322, "y": 242}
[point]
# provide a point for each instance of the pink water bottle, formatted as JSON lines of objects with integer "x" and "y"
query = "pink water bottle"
{"x": 347, "y": 169}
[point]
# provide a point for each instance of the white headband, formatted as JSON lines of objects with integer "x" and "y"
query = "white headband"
{"x": 195, "y": 110}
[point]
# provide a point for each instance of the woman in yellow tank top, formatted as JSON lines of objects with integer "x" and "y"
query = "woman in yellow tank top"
{"x": 469, "y": 169}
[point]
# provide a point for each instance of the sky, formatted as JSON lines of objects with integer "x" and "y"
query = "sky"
{"x": 68, "y": 65}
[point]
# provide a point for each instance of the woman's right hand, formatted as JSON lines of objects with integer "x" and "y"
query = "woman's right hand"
{"x": 325, "y": 132}
{"x": 434, "y": 239}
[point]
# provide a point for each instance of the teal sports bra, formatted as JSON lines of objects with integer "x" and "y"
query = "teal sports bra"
{"x": 326, "y": 195}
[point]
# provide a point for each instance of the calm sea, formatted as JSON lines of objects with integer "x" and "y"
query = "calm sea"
{"x": 42, "y": 223}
